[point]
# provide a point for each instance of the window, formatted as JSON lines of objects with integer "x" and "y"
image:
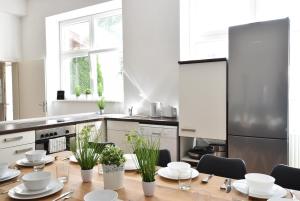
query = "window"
{"x": 91, "y": 56}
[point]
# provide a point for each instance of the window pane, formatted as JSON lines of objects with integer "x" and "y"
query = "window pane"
{"x": 108, "y": 32}
{"x": 75, "y": 36}
{"x": 109, "y": 64}
{"x": 77, "y": 74}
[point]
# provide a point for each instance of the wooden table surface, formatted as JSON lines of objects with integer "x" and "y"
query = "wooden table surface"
{"x": 165, "y": 190}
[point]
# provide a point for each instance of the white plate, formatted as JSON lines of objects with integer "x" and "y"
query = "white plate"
{"x": 280, "y": 199}
{"x": 164, "y": 172}
{"x": 26, "y": 163}
{"x": 22, "y": 190}
{"x": 276, "y": 192}
{"x": 57, "y": 187}
{"x": 101, "y": 195}
{"x": 73, "y": 159}
{"x": 131, "y": 161}
{"x": 10, "y": 174}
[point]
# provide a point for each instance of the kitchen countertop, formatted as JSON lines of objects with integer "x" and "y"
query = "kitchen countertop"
{"x": 48, "y": 122}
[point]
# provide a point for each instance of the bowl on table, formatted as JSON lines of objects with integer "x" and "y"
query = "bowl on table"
{"x": 259, "y": 183}
{"x": 35, "y": 156}
{"x": 3, "y": 169}
{"x": 35, "y": 181}
{"x": 178, "y": 168}
{"x": 101, "y": 195}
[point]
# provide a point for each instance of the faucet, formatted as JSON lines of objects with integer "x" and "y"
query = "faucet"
{"x": 130, "y": 110}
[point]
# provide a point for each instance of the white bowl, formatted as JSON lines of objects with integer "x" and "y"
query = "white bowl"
{"x": 178, "y": 166}
{"x": 101, "y": 195}
{"x": 35, "y": 156}
{"x": 35, "y": 181}
{"x": 3, "y": 169}
{"x": 259, "y": 183}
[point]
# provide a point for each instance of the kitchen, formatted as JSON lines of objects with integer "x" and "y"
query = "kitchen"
{"x": 151, "y": 74}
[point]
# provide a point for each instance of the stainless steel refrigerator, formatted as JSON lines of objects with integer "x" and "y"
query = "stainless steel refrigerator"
{"x": 258, "y": 94}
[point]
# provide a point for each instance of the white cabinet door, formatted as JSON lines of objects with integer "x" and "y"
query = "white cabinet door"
{"x": 12, "y": 154}
{"x": 15, "y": 139}
{"x": 119, "y": 138}
{"x": 202, "y": 100}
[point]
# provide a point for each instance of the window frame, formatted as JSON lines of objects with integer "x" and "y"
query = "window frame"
{"x": 63, "y": 55}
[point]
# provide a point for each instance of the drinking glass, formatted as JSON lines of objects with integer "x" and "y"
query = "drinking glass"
{"x": 39, "y": 166}
{"x": 185, "y": 179}
{"x": 62, "y": 171}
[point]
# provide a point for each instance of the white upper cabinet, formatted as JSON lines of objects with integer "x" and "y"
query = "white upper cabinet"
{"x": 202, "y": 100}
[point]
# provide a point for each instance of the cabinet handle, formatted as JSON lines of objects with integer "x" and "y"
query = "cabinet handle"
{"x": 19, "y": 151}
{"x": 153, "y": 133}
{"x": 188, "y": 130}
{"x": 13, "y": 139}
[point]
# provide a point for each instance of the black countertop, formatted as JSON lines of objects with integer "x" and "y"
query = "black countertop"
{"x": 42, "y": 123}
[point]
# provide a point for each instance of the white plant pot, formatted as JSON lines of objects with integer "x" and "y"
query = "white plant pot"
{"x": 113, "y": 177}
{"x": 148, "y": 188}
{"x": 87, "y": 175}
{"x": 101, "y": 111}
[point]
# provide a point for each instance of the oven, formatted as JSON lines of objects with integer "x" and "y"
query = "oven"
{"x": 55, "y": 139}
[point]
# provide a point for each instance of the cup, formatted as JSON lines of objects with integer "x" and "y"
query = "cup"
{"x": 39, "y": 167}
{"x": 185, "y": 179}
{"x": 62, "y": 171}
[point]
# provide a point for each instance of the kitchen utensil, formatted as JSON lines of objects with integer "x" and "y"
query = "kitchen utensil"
{"x": 101, "y": 195}
{"x": 63, "y": 195}
{"x": 223, "y": 186}
{"x": 35, "y": 156}
{"x": 259, "y": 183}
{"x": 205, "y": 180}
{"x": 228, "y": 186}
{"x": 36, "y": 180}
{"x": 166, "y": 173}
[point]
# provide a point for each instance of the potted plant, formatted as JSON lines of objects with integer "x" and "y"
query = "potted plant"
{"x": 86, "y": 152}
{"x": 112, "y": 161}
{"x": 101, "y": 105}
{"x": 88, "y": 91}
{"x": 147, "y": 153}
{"x": 77, "y": 91}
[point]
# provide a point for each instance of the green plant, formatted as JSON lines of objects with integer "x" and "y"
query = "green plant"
{"x": 99, "y": 79}
{"x": 147, "y": 152}
{"x": 112, "y": 155}
{"x": 84, "y": 150}
{"x": 101, "y": 103}
{"x": 88, "y": 91}
{"x": 77, "y": 91}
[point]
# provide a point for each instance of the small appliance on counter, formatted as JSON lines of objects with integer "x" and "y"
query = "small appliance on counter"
{"x": 155, "y": 109}
{"x": 214, "y": 149}
{"x": 169, "y": 111}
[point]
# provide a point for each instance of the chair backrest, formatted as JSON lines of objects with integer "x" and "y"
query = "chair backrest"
{"x": 164, "y": 158}
{"x": 287, "y": 177}
{"x": 225, "y": 167}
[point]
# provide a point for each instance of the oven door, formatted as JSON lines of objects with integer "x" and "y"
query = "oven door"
{"x": 44, "y": 144}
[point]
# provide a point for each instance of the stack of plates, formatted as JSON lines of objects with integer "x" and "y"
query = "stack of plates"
{"x": 10, "y": 174}
{"x": 21, "y": 193}
{"x": 131, "y": 162}
{"x": 169, "y": 174}
{"x": 26, "y": 163}
{"x": 276, "y": 191}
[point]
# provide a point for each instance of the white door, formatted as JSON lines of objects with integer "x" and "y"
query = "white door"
{"x": 32, "y": 89}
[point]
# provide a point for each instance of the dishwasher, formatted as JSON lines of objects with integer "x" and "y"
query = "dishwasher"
{"x": 167, "y": 134}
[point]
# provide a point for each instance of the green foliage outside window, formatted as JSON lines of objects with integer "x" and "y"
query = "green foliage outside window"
{"x": 80, "y": 75}
{"x": 99, "y": 79}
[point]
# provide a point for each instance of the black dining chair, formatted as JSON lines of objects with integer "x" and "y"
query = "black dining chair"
{"x": 287, "y": 177}
{"x": 224, "y": 167}
{"x": 164, "y": 158}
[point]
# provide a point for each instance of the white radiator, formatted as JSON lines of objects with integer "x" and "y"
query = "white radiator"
{"x": 294, "y": 150}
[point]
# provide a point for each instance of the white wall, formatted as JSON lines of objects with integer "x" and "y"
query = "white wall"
{"x": 151, "y": 51}
{"x": 14, "y": 7}
{"x": 151, "y": 48}
{"x": 10, "y": 37}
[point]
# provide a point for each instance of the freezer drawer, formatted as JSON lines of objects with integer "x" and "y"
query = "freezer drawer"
{"x": 259, "y": 154}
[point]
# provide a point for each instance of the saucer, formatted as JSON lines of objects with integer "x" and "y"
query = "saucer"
{"x": 242, "y": 187}
{"x": 10, "y": 174}
{"x": 22, "y": 190}
{"x": 73, "y": 159}
{"x": 165, "y": 172}
{"x": 57, "y": 187}
{"x": 101, "y": 195}
{"x": 26, "y": 163}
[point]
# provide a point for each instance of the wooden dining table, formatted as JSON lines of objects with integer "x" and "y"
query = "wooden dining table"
{"x": 165, "y": 189}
